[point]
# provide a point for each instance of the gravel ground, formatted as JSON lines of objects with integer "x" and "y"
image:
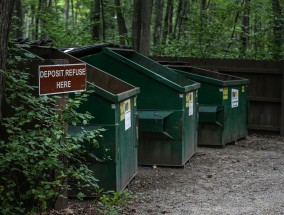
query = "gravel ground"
{"x": 244, "y": 178}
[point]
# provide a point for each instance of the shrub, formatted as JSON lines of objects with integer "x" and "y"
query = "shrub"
{"x": 37, "y": 155}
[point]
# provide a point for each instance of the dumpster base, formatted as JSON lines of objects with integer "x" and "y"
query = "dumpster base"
{"x": 161, "y": 153}
{"x": 212, "y": 135}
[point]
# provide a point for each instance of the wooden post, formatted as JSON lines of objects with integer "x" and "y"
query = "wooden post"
{"x": 61, "y": 203}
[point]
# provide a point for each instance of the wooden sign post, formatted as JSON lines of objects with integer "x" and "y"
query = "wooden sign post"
{"x": 62, "y": 78}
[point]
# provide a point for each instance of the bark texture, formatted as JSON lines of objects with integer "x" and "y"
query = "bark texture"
{"x": 6, "y": 11}
{"x": 122, "y": 30}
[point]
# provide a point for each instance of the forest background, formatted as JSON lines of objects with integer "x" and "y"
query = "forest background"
{"x": 193, "y": 28}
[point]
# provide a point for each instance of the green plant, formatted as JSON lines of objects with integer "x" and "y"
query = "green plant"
{"x": 37, "y": 154}
{"x": 111, "y": 202}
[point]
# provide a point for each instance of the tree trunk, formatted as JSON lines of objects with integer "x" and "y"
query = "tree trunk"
{"x": 103, "y": 20}
{"x": 66, "y": 11}
{"x": 37, "y": 20}
{"x": 166, "y": 21}
{"x": 180, "y": 24}
{"x": 18, "y": 20}
{"x": 235, "y": 24}
{"x": 136, "y": 24}
{"x": 245, "y": 28}
{"x": 179, "y": 18}
{"x": 27, "y": 24}
{"x": 171, "y": 12}
{"x": 72, "y": 12}
{"x": 6, "y": 12}
{"x": 158, "y": 21}
{"x": 202, "y": 5}
{"x": 33, "y": 14}
{"x": 96, "y": 20}
{"x": 277, "y": 30}
{"x": 146, "y": 14}
{"x": 122, "y": 30}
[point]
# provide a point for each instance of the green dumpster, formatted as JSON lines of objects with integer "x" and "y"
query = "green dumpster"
{"x": 167, "y": 105}
{"x": 113, "y": 104}
{"x": 223, "y": 105}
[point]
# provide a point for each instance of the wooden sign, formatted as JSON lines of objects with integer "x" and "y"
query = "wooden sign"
{"x": 65, "y": 78}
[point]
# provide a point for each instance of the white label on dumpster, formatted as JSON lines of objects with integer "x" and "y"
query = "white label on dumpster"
{"x": 190, "y": 109}
{"x": 235, "y": 98}
{"x": 127, "y": 114}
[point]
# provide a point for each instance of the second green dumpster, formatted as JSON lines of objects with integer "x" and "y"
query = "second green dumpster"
{"x": 167, "y": 105}
{"x": 223, "y": 106}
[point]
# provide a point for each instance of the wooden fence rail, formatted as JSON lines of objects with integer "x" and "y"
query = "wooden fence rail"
{"x": 265, "y": 88}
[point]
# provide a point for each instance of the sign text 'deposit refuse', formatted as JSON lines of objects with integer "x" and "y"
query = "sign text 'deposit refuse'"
{"x": 65, "y": 78}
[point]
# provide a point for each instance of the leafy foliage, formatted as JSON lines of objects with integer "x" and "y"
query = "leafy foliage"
{"x": 217, "y": 30}
{"x": 37, "y": 155}
{"x": 110, "y": 202}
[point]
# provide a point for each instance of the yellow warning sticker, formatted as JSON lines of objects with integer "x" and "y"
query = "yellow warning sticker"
{"x": 225, "y": 93}
{"x": 187, "y": 100}
{"x": 135, "y": 100}
{"x": 243, "y": 89}
{"x": 121, "y": 111}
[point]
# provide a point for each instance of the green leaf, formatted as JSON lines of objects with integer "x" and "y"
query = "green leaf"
{"x": 18, "y": 58}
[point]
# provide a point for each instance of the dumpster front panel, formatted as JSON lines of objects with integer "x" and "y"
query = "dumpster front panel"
{"x": 163, "y": 146}
{"x": 173, "y": 143}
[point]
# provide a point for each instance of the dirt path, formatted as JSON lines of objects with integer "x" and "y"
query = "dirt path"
{"x": 245, "y": 178}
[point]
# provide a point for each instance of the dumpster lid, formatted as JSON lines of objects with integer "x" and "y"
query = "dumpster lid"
{"x": 105, "y": 85}
{"x": 80, "y": 51}
{"x": 152, "y": 69}
{"x": 153, "y": 114}
{"x": 208, "y": 76}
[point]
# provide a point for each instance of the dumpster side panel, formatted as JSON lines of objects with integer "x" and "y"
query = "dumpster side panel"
{"x": 210, "y": 133}
{"x": 127, "y": 149}
{"x": 238, "y": 112}
{"x": 190, "y": 125}
{"x": 243, "y": 112}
